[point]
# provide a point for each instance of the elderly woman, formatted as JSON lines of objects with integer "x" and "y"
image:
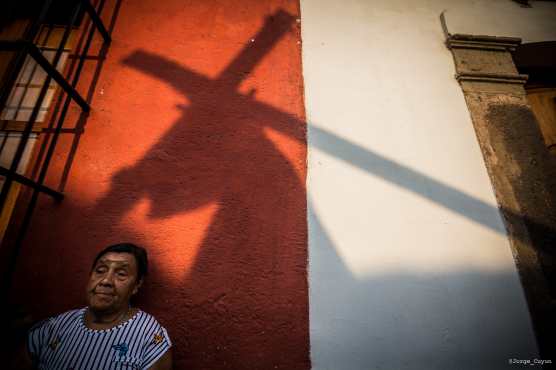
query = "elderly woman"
{"x": 108, "y": 333}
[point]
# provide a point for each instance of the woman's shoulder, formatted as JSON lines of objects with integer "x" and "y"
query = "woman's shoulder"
{"x": 152, "y": 328}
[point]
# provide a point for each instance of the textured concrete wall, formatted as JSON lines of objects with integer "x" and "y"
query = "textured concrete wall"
{"x": 410, "y": 266}
{"x": 195, "y": 149}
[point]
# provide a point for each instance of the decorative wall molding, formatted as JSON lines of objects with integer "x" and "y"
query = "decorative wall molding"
{"x": 519, "y": 79}
{"x": 482, "y": 42}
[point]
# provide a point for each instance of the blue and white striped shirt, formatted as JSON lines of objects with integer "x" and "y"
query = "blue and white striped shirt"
{"x": 65, "y": 343}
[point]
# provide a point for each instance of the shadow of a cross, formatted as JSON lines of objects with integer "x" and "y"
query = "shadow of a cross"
{"x": 231, "y": 155}
{"x": 208, "y": 117}
{"x": 248, "y": 286}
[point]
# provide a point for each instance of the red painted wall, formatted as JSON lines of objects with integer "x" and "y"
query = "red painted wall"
{"x": 195, "y": 149}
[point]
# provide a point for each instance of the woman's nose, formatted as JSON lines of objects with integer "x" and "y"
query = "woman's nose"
{"x": 107, "y": 279}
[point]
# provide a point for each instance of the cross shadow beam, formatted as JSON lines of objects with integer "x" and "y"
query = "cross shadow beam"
{"x": 411, "y": 180}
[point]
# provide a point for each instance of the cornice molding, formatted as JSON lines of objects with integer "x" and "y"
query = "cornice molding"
{"x": 520, "y": 79}
{"x": 460, "y": 41}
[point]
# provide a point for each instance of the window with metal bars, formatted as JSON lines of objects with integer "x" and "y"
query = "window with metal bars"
{"x": 40, "y": 60}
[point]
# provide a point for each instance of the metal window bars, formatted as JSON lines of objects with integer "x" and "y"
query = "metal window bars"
{"x": 24, "y": 49}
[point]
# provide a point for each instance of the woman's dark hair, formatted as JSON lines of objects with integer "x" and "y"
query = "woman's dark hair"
{"x": 139, "y": 253}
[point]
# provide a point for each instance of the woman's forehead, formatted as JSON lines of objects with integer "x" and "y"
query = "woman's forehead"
{"x": 119, "y": 258}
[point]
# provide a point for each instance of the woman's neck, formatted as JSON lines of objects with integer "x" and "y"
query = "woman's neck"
{"x": 106, "y": 320}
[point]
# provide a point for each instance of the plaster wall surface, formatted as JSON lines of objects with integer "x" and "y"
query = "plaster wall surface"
{"x": 409, "y": 263}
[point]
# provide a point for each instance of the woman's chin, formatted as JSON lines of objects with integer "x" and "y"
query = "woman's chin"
{"x": 101, "y": 304}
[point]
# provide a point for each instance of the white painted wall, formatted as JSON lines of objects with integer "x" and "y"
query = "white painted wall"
{"x": 409, "y": 264}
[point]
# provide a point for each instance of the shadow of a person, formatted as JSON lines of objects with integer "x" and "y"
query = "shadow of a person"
{"x": 246, "y": 302}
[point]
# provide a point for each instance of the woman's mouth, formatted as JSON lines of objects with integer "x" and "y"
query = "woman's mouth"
{"x": 103, "y": 293}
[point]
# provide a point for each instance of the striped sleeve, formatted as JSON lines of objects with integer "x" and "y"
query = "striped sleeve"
{"x": 38, "y": 337}
{"x": 157, "y": 342}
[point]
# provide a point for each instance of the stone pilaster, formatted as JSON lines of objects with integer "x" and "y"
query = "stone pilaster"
{"x": 522, "y": 171}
